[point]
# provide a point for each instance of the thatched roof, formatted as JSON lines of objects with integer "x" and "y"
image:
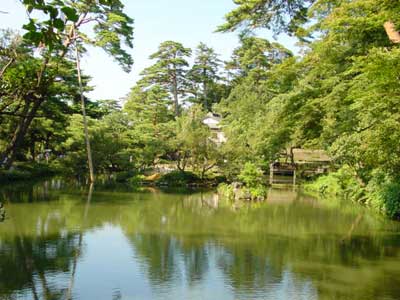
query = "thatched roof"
{"x": 307, "y": 156}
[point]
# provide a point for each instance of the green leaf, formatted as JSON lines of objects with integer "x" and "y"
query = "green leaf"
{"x": 70, "y": 13}
{"x": 33, "y": 36}
{"x": 29, "y": 8}
{"x": 30, "y": 26}
{"x": 59, "y": 24}
{"x": 53, "y": 11}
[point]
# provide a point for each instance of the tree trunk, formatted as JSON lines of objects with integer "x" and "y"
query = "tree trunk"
{"x": 4, "y": 69}
{"x": 32, "y": 150}
{"x": 8, "y": 156}
{"x": 85, "y": 125}
{"x": 391, "y": 31}
{"x": 175, "y": 95}
{"x": 205, "y": 91}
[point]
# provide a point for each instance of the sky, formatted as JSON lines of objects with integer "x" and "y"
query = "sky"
{"x": 186, "y": 21}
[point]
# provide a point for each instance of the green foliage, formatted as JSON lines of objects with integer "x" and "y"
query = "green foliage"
{"x": 340, "y": 94}
{"x": 251, "y": 175}
{"x": 253, "y": 178}
{"x": 169, "y": 70}
{"x": 204, "y": 79}
{"x": 384, "y": 194}
{"x": 125, "y": 176}
{"x": 195, "y": 144}
{"x": 341, "y": 183}
{"x": 280, "y": 16}
{"x": 131, "y": 177}
{"x": 254, "y": 57}
{"x": 14, "y": 175}
{"x": 179, "y": 178}
{"x": 225, "y": 190}
{"x": 109, "y": 145}
{"x": 150, "y": 126}
{"x": 258, "y": 192}
{"x": 32, "y": 80}
{"x": 28, "y": 171}
{"x": 111, "y": 27}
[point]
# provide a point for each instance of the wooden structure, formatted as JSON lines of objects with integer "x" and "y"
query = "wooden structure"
{"x": 304, "y": 163}
{"x": 282, "y": 173}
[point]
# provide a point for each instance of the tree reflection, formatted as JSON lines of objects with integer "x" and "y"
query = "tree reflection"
{"x": 25, "y": 263}
{"x": 317, "y": 251}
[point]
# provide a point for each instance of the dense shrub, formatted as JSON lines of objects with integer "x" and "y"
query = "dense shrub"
{"x": 251, "y": 175}
{"x": 179, "y": 178}
{"x": 124, "y": 176}
{"x": 36, "y": 169}
{"x": 253, "y": 178}
{"x": 14, "y": 175}
{"x": 27, "y": 171}
{"x": 341, "y": 183}
{"x": 226, "y": 191}
{"x": 384, "y": 194}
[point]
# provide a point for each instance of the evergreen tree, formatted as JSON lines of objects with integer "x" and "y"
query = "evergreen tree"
{"x": 254, "y": 57}
{"x": 169, "y": 70}
{"x": 204, "y": 77}
{"x": 56, "y": 34}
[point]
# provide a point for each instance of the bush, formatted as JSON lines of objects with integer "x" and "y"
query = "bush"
{"x": 226, "y": 191}
{"x": 136, "y": 180}
{"x": 342, "y": 184}
{"x": 27, "y": 171}
{"x": 384, "y": 195}
{"x": 125, "y": 176}
{"x": 258, "y": 192}
{"x": 179, "y": 178}
{"x": 14, "y": 175}
{"x": 251, "y": 176}
{"x": 36, "y": 169}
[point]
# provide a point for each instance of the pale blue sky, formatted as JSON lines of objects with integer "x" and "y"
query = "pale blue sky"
{"x": 185, "y": 21}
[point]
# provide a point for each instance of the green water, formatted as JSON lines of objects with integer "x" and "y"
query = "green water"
{"x": 58, "y": 243}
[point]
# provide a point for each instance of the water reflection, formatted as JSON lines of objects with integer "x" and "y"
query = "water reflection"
{"x": 60, "y": 242}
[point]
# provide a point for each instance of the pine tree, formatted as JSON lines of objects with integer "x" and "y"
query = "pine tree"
{"x": 204, "y": 76}
{"x": 169, "y": 70}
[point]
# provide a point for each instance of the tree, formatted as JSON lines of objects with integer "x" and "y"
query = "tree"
{"x": 57, "y": 35}
{"x": 110, "y": 145}
{"x": 203, "y": 76}
{"x": 18, "y": 81}
{"x": 254, "y": 57}
{"x": 195, "y": 143}
{"x": 150, "y": 122}
{"x": 169, "y": 70}
{"x": 277, "y": 15}
{"x": 255, "y": 122}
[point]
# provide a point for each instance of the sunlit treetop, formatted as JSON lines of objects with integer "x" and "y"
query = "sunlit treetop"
{"x": 276, "y": 15}
{"x": 63, "y": 21}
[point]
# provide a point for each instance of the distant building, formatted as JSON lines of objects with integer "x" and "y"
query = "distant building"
{"x": 213, "y": 122}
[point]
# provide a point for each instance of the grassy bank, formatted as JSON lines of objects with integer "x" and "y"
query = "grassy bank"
{"x": 172, "y": 179}
{"x": 381, "y": 192}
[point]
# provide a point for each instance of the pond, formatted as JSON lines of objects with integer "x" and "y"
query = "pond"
{"x": 60, "y": 241}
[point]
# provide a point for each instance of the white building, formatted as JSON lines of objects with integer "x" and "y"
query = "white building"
{"x": 213, "y": 122}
